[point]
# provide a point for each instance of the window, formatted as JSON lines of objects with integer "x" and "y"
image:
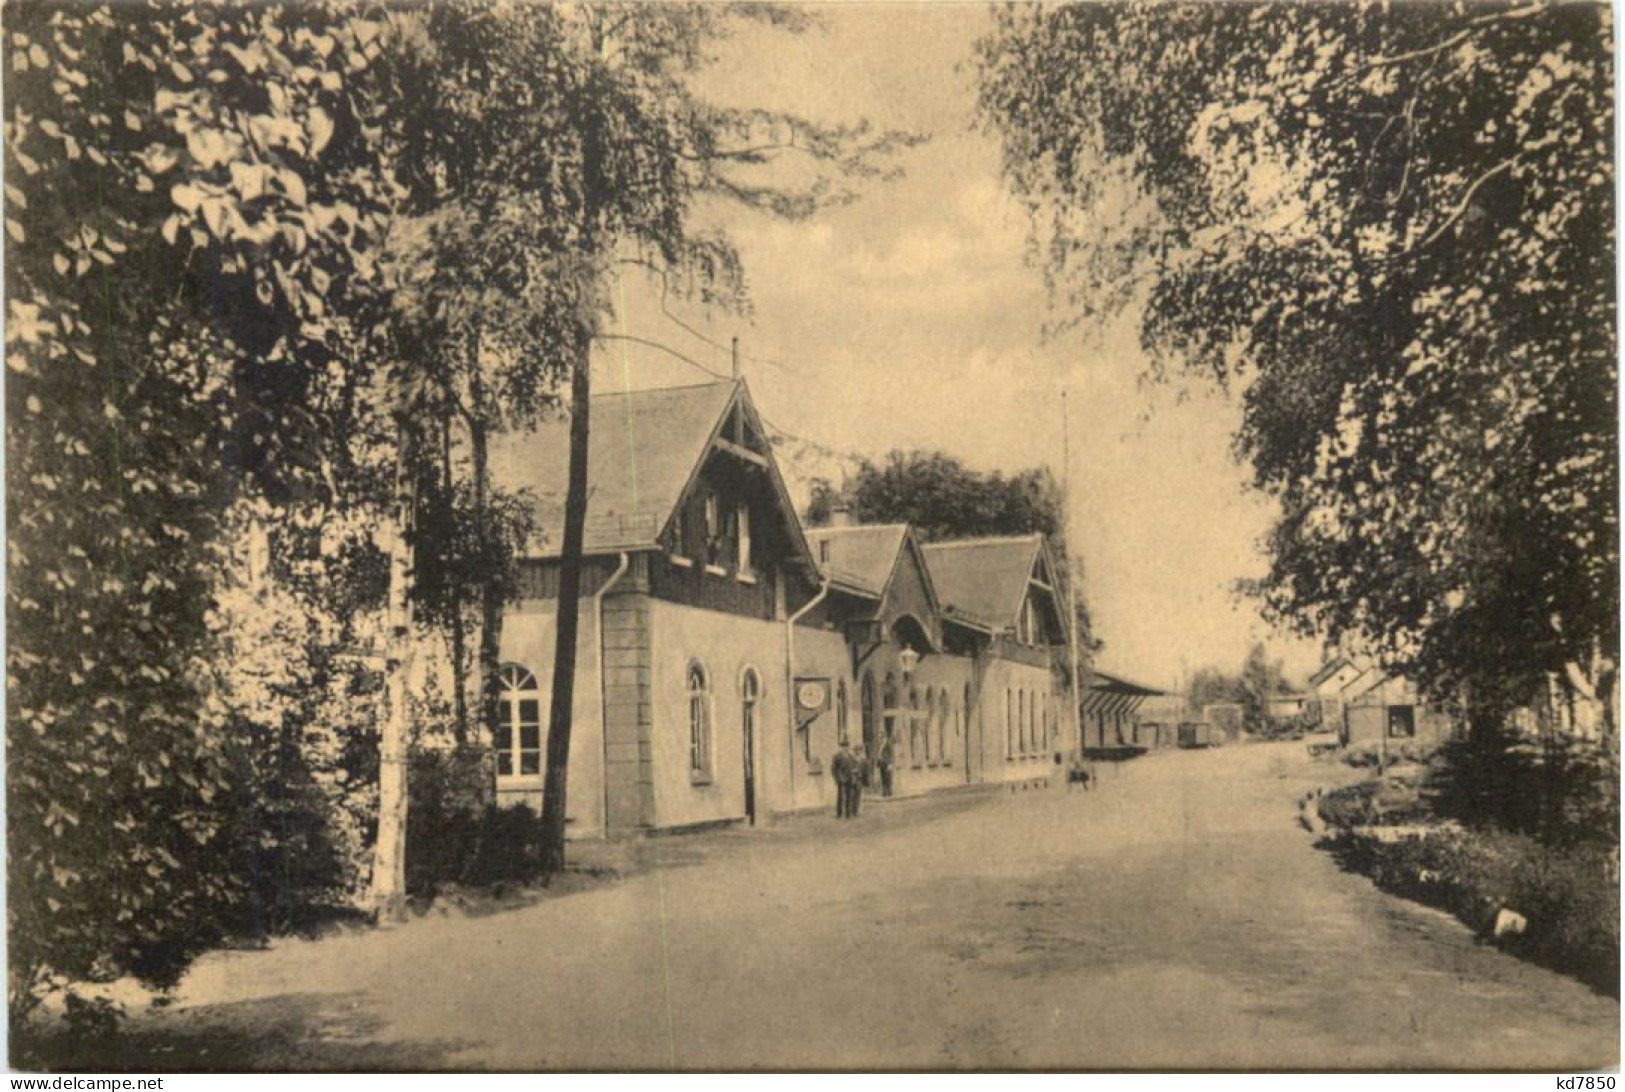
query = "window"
{"x": 823, "y": 552}
{"x": 750, "y": 694}
{"x": 842, "y": 734}
{"x": 889, "y": 708}
{"x": 742, "y": 533}
{"x": 713, "y": 529}
{"x": 1043, "y": 733}
{"x": 942, "y": 725}
{"x": 699, "y": 722}
{"x": 518, "y": 741}
{"x": 1401, "y": 721}
{"x": 930, "y": 721}
{"x": 964, "y": 723}
{"x": 913, "y": 727}
{"x": 679, "y": 536}
{"x": 1009, "y": 725}
{"x": 1021, "y": 722}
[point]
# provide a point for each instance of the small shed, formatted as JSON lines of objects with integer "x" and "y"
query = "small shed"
{"x": 1389, "y": 707}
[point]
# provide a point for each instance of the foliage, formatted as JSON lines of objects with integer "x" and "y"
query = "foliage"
{"x": 1397, "y": 752}
{"x": 1563, "y": 791}
{"x": 944, "y": 499}
{"x": 1387, "y": 226}
{"x": 298, "y": 712}
{"x": 462, "y": 839}
{"x": 1569, "y": 895}
{"x": 182, "y": 207}
{"x": 1258, "y": 679}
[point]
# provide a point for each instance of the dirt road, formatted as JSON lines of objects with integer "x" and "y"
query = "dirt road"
{"x": 1175, "y": 918}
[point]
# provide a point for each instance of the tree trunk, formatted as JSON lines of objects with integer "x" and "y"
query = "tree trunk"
{"x": 459, "y": 643}
{"x": 389, "y": 852}
{"x": 564, "y": 654}
{"x": 491, "y": 591}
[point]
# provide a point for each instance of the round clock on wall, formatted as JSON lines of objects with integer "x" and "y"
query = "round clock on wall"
{"x": 810, "y": 695}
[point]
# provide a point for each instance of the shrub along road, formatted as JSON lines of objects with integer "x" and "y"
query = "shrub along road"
{"x": 1175, "y": 917}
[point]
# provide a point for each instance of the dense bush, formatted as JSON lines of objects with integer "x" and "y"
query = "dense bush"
{"x": 1563, "y": 791}
{"x": 1570, "y": 896}
{"x": 457, "y": 835}
{"x": 1373, "y": 804}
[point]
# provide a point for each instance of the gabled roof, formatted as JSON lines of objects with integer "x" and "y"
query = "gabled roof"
{"x": 865, "y": 559}
{"x": 646, "y": 447}
{"x": 986, "y": 579}
{"x": 862, "y": 558}
{"x": 1369, "y": 678}
{"x": 1328, "y": 669}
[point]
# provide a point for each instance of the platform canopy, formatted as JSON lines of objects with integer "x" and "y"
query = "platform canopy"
{"x": 1114, "y": 695}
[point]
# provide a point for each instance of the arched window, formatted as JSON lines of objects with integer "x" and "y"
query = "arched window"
{"x": 913, "y": 726}
{"x": 888, "y": 714}
{"x": 518, "y": 741}
{"x": 1021, "y": 722}
{"x": 842, "y": 735}
{"x": 942, "y": 724}
{"x": 750, "y": 696}
{"x": 1009, "y": 725}
{"x": 1032, "y": 723}
{"x": 699, "y": 720}
{"x": 930, "y": 721}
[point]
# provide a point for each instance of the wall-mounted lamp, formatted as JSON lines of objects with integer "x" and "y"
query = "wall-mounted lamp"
{"x": 910, "y": 660}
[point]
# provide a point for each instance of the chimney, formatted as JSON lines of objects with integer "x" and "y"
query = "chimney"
{"x": 736, "y": 355}
{"x": 840, "y": 513}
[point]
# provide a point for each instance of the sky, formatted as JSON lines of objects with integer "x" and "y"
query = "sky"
{"x": 912, "y": 319}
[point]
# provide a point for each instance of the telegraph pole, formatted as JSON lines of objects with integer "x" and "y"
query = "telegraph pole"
{"x": 1071, "y": 582}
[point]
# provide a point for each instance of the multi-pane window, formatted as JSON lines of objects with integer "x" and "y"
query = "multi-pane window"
{"x": 699, "y": 720}
{"x": 742, "y": 537}
{"x": 518, "y": 741}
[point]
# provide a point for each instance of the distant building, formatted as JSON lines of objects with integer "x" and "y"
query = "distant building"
{"x": 1327, "y": 685}
{"x": 1287, "y": 706}
{"x": 1378, "y": 705}
{"x": 1365, "y": 704}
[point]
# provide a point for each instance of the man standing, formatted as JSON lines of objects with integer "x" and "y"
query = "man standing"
{"x": 840, "y": 768}
{"x": 885, "y": 767}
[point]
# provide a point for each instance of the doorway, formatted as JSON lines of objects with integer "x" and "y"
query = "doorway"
{"x": 871, "y": 727}
{"x": 750, "y": 693}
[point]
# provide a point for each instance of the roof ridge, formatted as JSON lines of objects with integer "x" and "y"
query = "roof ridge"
{"x": 858, "y": 527}
{"x": 985, "y": 540}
